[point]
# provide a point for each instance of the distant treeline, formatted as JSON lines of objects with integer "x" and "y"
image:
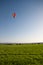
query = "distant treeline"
{"x": 20, "y": 43}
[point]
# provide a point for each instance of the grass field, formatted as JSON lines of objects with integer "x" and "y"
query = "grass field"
{"x": 25, "y": 54}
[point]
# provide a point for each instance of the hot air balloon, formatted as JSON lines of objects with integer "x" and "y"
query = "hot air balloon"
{"x": 14, "y": 14}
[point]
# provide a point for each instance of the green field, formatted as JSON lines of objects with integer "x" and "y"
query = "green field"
{"x": 25, "y": 54}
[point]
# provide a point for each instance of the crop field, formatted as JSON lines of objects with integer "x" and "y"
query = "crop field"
{"x": 24, "y": 54}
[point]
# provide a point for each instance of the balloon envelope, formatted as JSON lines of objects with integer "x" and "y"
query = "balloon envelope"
{"x": 14, "y": 15}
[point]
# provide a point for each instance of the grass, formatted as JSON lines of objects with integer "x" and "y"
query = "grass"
{"x": 27, "y": 54}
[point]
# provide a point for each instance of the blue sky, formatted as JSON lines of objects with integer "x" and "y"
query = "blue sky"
{"x": 28, "y": 24}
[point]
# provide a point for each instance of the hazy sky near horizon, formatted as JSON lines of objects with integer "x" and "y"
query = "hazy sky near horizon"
{"x": 28, "y": 24}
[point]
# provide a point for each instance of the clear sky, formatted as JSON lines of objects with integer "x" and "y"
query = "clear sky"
{"x": 28, "y": 24}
